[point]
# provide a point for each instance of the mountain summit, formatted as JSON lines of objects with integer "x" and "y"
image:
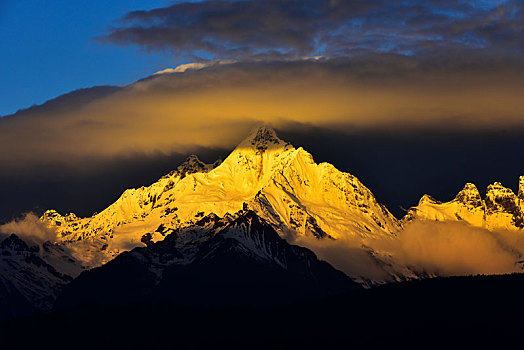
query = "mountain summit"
{"x": 304, "y": 201}
{"x": 262, "y": 138}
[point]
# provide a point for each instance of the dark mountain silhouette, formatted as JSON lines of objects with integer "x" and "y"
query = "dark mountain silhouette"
{"x": 456, "y": 312}
{"x": 234, "y": 261}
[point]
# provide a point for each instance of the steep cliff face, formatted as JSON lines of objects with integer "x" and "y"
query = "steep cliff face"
{"x": 281, "y": 184}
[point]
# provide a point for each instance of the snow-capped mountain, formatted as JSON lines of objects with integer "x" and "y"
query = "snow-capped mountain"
{"x": 309, "y": 204}
{"x": 235, "y": 260}
{"x": 501, "y": 208}
{"x": 264, "y": 197}
{"x": 304, "y": 201}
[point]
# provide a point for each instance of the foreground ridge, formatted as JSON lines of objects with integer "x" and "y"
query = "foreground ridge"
{"x": 239, "y": 260}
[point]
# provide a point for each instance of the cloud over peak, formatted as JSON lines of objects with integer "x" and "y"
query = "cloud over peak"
{"x": 214, "y": 106}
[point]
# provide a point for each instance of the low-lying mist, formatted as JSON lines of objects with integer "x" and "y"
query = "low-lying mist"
{"x": 454, "y": 248}
{"x": 30, "y": 229}
{"x": 428, "y": 247}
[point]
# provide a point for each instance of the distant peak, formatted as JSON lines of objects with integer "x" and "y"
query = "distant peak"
{"x": 261, "y": 138}
{"x": 52, "y": 214}
{"x": 263, "y": 134}
{"x": 469, "y": 195}
{"x": 470, "y": 187}
{"x": 193, "y": 159}
{"x": 469, "y": 190}
{"x": 497, "y": 189}
{"x": 191, "y": 165}
{"x": 496, "y": 185}
{"x": 501, "y": 199}
{"x": 428, "y": 199}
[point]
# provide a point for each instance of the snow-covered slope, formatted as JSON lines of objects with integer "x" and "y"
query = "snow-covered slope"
{"x": 282, "y": 184}
{"x": 501, "y": 209}
{"x": 32, "y": 276}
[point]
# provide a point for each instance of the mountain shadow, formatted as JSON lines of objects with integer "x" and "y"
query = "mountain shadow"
{"x": 234, "y": 261}
{"x": 456, "y": 312}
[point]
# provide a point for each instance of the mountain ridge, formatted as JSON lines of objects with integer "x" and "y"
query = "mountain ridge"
{"x": 314, "y": 206}
{"x": 308, "y": 204}
{"x": 501, "y": 208}
{"x": 280, "y": 183}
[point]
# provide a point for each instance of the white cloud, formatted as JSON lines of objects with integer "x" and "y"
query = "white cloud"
{"x": 30, "y": 229}
{"x": 453, "y": 248}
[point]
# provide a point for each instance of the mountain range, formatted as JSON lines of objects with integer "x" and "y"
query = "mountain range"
{"x": 259, "y": 227}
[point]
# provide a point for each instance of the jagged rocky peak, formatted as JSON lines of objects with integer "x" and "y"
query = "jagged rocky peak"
{"x": 428, "y": 199}
{"x": 500, "y": 209}
{"x": 248, "y": 217}
{"x": 262, "y": 138}
{"x": 51, "y": 214}
{"x": 57, "y": 219}
{"x": 500, "y": 199}
{"x": 192, "y": 165}
{"x": 244, "y": 217}
{"x": 211, "y": 219}
{"x": 469, "y": 195}
{"x": 14, "y": 243}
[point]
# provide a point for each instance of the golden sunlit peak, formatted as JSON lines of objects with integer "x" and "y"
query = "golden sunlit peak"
{"x": 262, "y": 137}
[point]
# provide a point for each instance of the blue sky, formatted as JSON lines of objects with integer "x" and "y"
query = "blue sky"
{"x": 48, "y": 49}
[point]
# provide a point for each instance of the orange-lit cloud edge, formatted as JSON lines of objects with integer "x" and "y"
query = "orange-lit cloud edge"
{"x": 214, "y": 106}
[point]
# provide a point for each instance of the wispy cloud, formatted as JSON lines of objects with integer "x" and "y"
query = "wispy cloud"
{"x": 29, "y": 228}
{"x": 425, "y": 247}
{"x": 454, "y": 248}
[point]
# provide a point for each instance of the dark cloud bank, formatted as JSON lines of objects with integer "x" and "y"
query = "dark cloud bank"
{"x": 323, "y": 27}
{"x": 412, "y": 98}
